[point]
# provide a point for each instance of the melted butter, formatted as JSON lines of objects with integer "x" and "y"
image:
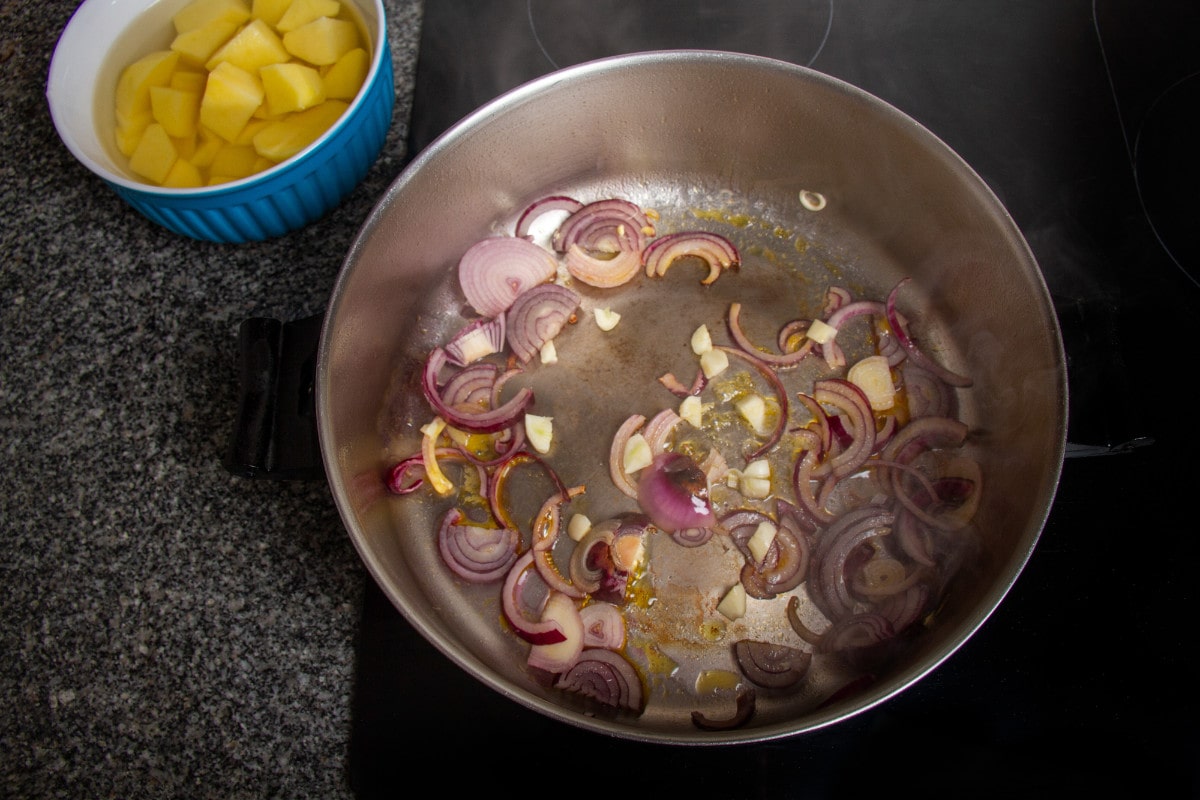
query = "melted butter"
{"x": 712, "y": 630}
{"x": 712, "y": 680}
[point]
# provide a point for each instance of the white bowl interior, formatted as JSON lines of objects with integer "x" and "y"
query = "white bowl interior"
{"x": 97, "y": 43}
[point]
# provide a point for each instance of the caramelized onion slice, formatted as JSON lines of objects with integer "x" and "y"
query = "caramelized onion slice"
{"x": 772, "y": 666}
{"x": 746, "y": 699}
{"x": 607, "y": 677}
{"x": 717, "y": 253}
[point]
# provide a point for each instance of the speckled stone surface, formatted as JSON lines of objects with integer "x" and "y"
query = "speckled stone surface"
{"x": 166, "y": 629}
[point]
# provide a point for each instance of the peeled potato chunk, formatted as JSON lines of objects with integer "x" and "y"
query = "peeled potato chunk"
{"x": 178, "y": 111}
{"x": 133, "y": 87}
{"x": 322, "y": 41}
{"x": 347, "y": 75}
{"x": 197, "y": 45}
{"x": 302, "y": 12}
{"x": 286, "y": 137}
{"x": 252, "y": 48}
{"x": 291, "y": 87}
{"x": 155, "y": 154}
{"x": 229, "y": 101}
{"x": 201, "y": 12}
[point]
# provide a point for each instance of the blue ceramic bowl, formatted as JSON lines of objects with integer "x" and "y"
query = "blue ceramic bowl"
{"x": 271, "y": 203}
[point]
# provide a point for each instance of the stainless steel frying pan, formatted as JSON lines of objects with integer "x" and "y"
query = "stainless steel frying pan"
{"x": 715, "y": 141}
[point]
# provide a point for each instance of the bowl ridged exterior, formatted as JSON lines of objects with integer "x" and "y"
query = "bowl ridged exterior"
{"x": 302, "y": 191}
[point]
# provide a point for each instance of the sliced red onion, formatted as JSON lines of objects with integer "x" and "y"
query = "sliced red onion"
{"x": 692, "y": 537}
{"x": 774, "y": 359}
{"x": 603, "y": 625}
{"x": 485, "y": 421}
{"x": 905, "y": 608}
{"x": 910, "y": 347}
{"x": 802, "y": 485}
{"x": 471, "y": 386}
{"x": 677, "y": 388}
{"x": 591, "y": 560}
{"x": 802, "y": 630}
{"x": 850, "y": 400}
{"x": 658, "y": 430}
{"x": 616, "y": 455}
{"x": 772, "y": 666}
{"x": 480, "y": 338}
{"x": 603, "y": 272}
{"x": 673, "y": 491}
{"x": 827, "y": 585}
{"x": 717, "y": 252}
{"x": 605, "y": 676}
{"x": 537, "y": 316}
{"x": 746, "y": 702}
{"x": 546, "y": 527}
{"x": 855, "y": 631}
{"x": 512, "y": 597}
{"x": 791, "y": 338}
{"x": 475, "y": 553}
{"x": 546, "y": 205}
{"x": 495, "y": 271}
{"x": 927, "y": 394}
{"x": 609, "y": 225}
{"x": 783, "y": 566}
{"x": 500, "y": 477}
{"x": 556, "y": 657}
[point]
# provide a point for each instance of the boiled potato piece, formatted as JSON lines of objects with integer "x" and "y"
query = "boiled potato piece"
{"x": 133, "y": 87}
{"x": 252, "y": 48}
{"x": 183, "y": 175}
{"x": 347, "y": 75}
{"x": 322, "y": 41}
{"x": 291, "y": 87}
{"x": 270, "y": 11}
{"x": 229, "y": 101}
{"x": 188, "y": 81}
{"x": 286, "y": 137}
{"x": 302, "y": 12}
{"x": 234, "y": 161}
{"x": 154, "y": 155}
{"x": 201, "y": 12}
{"x": 197, "y": 45}
{"x": 178, "y": 111}
{"x": 208, "y": 144}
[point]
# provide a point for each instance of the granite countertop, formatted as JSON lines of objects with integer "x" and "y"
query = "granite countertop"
{"x": 166, "y": 628}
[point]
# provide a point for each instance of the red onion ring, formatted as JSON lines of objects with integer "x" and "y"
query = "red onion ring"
{"x": 606, "y": 677}
{"x": 537, "y": 316}
{"x": 480, "y": 338}
{"x": 603, "y": 626}
{"x": 543, "y": 631}
{"x": 610, "y": 225}
{"x": 486, "y": 421}
{"x": 475, "y": 553}
{"x": 850, "y": 400}
{"x": 603, "y": 273}
{"x": 910, "y": 347}
{"x": 616, "y": 455}
{"x": 717, "y": 252}
{"x": 673, "y": 491}
{"x": 772, "y": 666}
{"x": 494, "y": 271}
{"x": 746, "y": 701}
{"x": 544, "y": 206}
{"x": 774, "y": 359}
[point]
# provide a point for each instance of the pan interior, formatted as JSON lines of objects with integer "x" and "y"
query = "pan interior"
{"x": 717, "y": 142}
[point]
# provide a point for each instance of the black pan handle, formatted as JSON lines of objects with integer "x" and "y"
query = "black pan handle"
{"x": 275, "y": 433}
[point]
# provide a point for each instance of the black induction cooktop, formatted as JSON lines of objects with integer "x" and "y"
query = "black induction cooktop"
{"x": 1078, "y": 114}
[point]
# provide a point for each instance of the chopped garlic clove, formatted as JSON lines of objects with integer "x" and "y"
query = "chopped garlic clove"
{"x": 821, "y": 332}
{"x": 701, "y": 340}
{"x": 637, "y": 454}
{"x": 760, "y": 541}
{"x": 754, "y": 410}
{"x": 874, "y": 376}
{"x": 548, "y": 353}
{"x": 539, "y": 431}
{"x": 713, "y": 363}
{"x": 758, "y": 469}
{"x": 733, "y": 604}
{"x": 755, "y": 488}
{"x": 692, "y": 411}
{"x": 607, "y": 319}
{"x": 578, "y": 527}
